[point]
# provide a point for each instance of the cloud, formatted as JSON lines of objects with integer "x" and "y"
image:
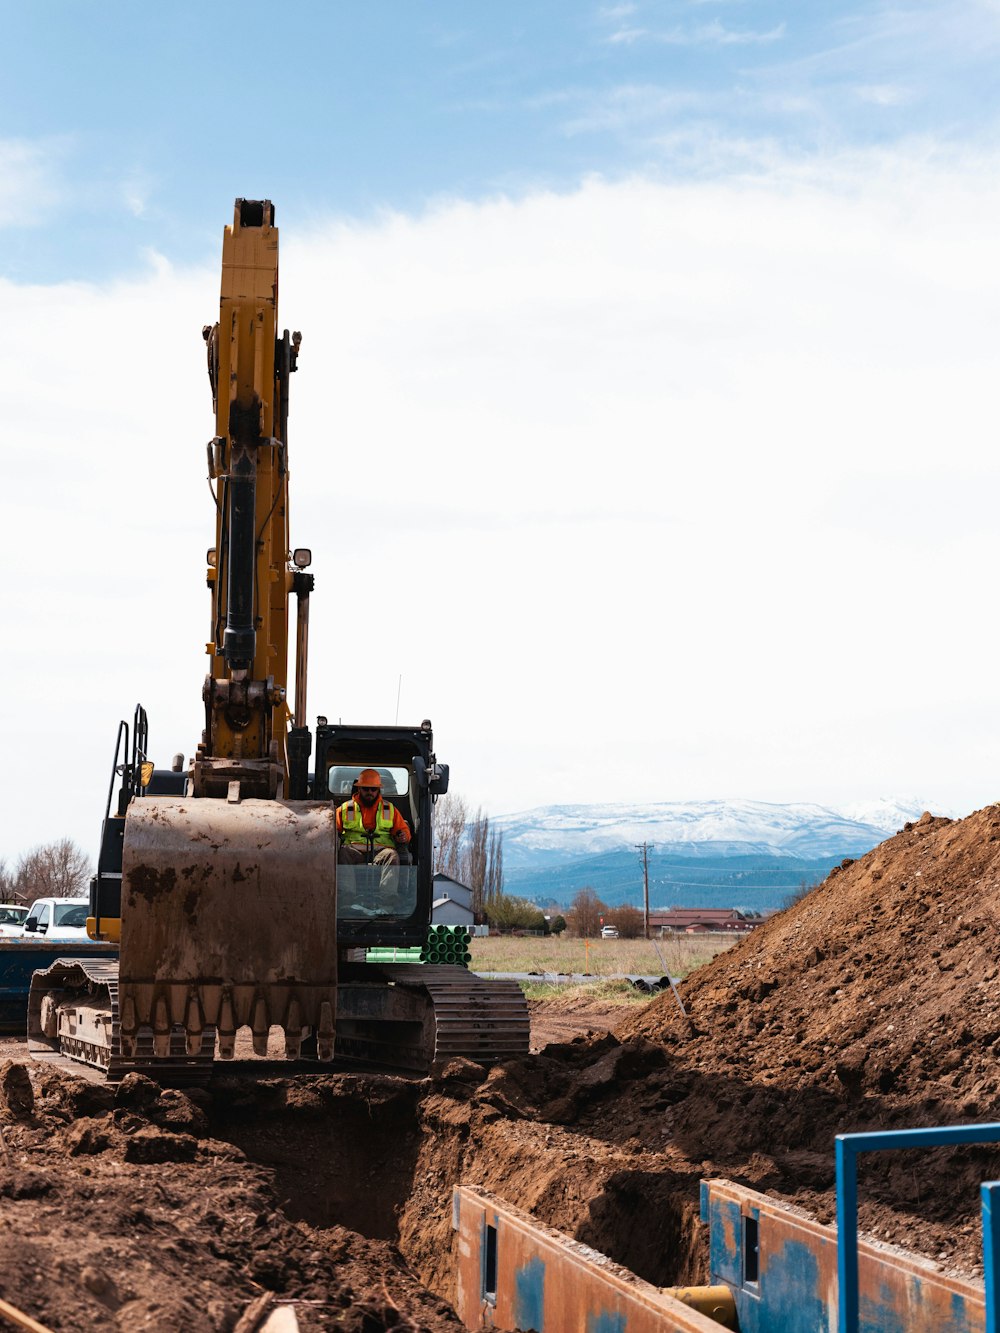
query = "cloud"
{"x": 629, "y": 107}
{"x": 704, "y": 34}
{"x": 884, "y": 94}
{"x": 30, "y": 173}
{"x": 627, "y": 461}
{"x": 136, "y": 190}
{"x": 627, "y": 36}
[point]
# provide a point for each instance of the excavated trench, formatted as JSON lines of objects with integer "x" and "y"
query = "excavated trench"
{"x": 180, "y": 1208}
{"x": 380, "y": 1156}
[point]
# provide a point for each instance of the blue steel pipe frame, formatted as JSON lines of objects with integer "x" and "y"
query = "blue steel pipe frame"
{"x": 848, "y": 1149}
{"x": 990, "y": 1194}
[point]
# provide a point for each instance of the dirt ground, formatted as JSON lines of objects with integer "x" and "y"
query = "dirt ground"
{"x": 555, "y": 1021}
{"x": 873, "y": 1002}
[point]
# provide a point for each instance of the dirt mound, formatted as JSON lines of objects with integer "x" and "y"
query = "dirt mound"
{"x": 871, "y": 1003}
{"x": 882, "y": 980}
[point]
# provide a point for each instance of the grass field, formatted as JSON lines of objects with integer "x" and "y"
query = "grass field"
{"x": 509, "y": 953}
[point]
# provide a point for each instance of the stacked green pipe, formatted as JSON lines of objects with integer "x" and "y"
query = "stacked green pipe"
{"x": 394, "y": 954}
{"x": 447, "y": 944}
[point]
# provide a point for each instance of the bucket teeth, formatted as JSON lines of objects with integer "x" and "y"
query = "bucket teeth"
{"x": 325, "y": 1033}
{"x": 161, "y": 1027}
{"x": 194, "y": 1023}
{"x": 227, "y": 1026}
{"x": 260, "y": 1026}
{"x": 293, "y": 1030}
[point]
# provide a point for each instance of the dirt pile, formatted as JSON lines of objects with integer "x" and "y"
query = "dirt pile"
{"x": 872, "y": 1003}
{"x": 882, "y": 981}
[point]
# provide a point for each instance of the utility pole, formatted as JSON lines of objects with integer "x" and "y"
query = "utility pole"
{"x": 645, "y": 848}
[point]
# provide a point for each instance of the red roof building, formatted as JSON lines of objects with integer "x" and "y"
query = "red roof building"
{"x": 696, "y": 920}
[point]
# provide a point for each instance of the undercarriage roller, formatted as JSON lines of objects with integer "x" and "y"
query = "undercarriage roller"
{"x": 228, "y": 920}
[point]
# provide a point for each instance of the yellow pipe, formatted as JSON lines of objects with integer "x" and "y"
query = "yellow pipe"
{"x": 716, "y": 1302}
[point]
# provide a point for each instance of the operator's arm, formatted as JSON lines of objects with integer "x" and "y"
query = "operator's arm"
{"x": 400, "y": 828}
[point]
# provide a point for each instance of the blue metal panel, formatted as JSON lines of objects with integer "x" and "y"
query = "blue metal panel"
{"x": 789, "y": 1297}
{"x": 608, "y": 1321}
{"x": 881, "y": 1316}
{"x": 725, "y": 1237}
{"x": 529, "y": 1295}
{"x": 990, "y": 1195}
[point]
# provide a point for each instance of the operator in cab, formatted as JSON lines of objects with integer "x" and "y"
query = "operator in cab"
{"x": 367, "y": 821}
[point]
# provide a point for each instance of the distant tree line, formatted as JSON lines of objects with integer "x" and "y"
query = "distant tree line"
{"x": 588, "y": 914}
{"x": 53, "y": 870}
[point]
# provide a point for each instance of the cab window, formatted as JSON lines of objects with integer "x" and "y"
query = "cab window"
{"x": 342, "y": 777}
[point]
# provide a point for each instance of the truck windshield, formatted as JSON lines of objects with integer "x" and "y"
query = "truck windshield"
{"x": 365, "y": 892}
{"x": 71, "y": 914}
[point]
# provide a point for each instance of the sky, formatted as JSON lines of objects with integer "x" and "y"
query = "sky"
{"x": 647, "y": 374}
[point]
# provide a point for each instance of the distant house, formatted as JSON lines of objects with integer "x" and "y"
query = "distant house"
{"x": 697, "y": 920}
{"x": 452, "y": 902}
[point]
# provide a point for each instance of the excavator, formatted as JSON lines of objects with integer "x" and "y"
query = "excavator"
{"x": 220, "y": 881}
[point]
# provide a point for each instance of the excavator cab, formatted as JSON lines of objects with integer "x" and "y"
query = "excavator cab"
{"x": 384, "y": 905}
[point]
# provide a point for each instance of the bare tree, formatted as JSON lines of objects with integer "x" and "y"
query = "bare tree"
{"x": 475, "y": 859}
{"x": 53, "y": 870}
{"x": 468, "y": 850}
{"x": 450, "y": 817}
{"x": 493, "y": 883}
{"x": 585, "y": 914}
{"x": 627, "y": 920}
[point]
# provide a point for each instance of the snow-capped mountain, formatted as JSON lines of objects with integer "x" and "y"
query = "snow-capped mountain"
{"x": 559, "y": 833}
{"x": 890, "y": 813}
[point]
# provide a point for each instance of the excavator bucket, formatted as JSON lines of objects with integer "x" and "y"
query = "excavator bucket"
{"x": 229, "y": 920}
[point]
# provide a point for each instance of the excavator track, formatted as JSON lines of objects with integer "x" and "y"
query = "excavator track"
{"x": 413, "y": 1017}
{"x": 408, "y": 1017}
{"x": 89, "y": 1043}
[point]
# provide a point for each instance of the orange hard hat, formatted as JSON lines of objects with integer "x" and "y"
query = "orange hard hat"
{"x": 369, "y": 777}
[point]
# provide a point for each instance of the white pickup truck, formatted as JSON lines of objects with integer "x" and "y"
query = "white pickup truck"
{"x": 57, "y": 919}
{"x": 11, "y": 920}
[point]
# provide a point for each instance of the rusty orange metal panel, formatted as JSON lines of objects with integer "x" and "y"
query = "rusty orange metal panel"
{"x": 785, "y": 1280}
{"x": 513, "y": 1272}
